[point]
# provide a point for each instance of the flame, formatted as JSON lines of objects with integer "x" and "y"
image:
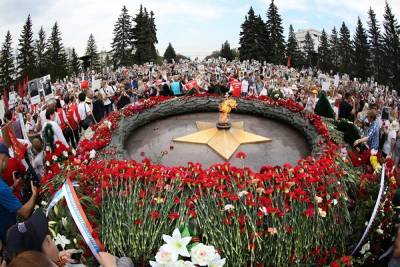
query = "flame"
{"x": 225, "y": 108}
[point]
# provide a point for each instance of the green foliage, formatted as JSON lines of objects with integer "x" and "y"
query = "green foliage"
{"x": 40, "y": 53}
{"x": 309, "y": 50}
{"x": 26, "y": 55}
{"x": 345, "y": 50}
{"x": 376, "y": 46}
{"x": 122, "y": 44}
{"x": 132, "y": 223}
{"x": 170, "y": 53}
{"x": 74, "y": 64}
{"x": 391, "y": 48}
{"x": 91, "y": 51}
{"x": 323, "y": 107}
{"x": 351, "y": 133}
{"x": 276, "y": 41}
{"x": 361, "y": 54}
{"x": 7, "y": 69}
{"x": 293, "y": 50}
{"x": 334, "y": 45}
{"x": 226, "y": 51}
{"x": 253, "y": 38}
{"x": 55, "y": 54}
{"x": 324, "y": 57}
{"x": 144, "y": 37}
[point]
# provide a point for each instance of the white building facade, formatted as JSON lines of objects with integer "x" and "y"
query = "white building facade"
{"x": 315, "y": 35}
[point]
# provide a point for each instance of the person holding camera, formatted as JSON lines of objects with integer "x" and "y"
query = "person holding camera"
{"x": 13, "y": 176}
{"x": 10, "y": 206}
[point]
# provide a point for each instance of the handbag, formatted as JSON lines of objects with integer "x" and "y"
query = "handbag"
{"x": 87, "y": 121}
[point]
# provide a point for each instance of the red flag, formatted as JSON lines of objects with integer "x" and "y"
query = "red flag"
{"x": 18, "y": 148}
{"x": 26, "y": 85}
{"x": 5, "y": 98}
{"x": 19, "y": 90}
{"x": 289, "y": 62}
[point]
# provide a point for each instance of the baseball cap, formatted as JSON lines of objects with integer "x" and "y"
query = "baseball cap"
{"x": 4, "y": 149}
{"x": 28, "y": 235}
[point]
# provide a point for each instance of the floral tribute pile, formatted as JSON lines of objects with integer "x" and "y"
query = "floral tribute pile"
{"x": 280, "y": 216}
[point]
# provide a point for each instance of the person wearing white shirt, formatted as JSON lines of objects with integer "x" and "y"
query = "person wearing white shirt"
{"x": 106, "y": 94}
{"x": 83, "y": 108}
{"x": 245, "y": 86}
{"x": 51, "y": 131}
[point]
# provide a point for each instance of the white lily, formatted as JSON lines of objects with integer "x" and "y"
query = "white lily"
{"x": 177, "y": 243}
{"x": 61, "y": 240}
{"x": 217, "y": 262}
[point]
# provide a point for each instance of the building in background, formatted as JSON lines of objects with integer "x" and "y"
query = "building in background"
{"x": 315, "y": 35}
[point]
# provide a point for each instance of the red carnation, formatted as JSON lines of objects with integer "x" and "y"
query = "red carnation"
{"x": 241, "y": 155}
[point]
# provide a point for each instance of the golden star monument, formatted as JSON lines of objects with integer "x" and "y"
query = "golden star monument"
{"x": 223, "y": 137}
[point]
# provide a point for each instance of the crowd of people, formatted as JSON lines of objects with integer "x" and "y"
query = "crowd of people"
{"x": 82, "y": 101}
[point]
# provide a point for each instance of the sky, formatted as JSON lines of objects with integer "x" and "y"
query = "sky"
{"x": 194, "y": 27}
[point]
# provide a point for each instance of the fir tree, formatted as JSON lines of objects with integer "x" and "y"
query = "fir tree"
{"x": 309, "y": 50}
{"x": 375, "y": 44}
{"x": 334, "y": 44}
{"x": 226, "y": 51}
{"x": 26, "y": 57}
{"x": 292, "y": 49}
{"x": 7, "y": 69}
{"x": 276, "y": 40}
{"x": 170, "y": 54}
{"x": 361, "y": 52}
{"x": 145, "y": 37}
{"x": 56, "y": 57}
{"x": 40, "y": 53}
{"x": 122, "y": 44}
{"x": 153, "y": 36}
{"x": 391, "y": 48}
{"x": 324, "y": 55}
{"x": 91, "y": 51}
{"x": 253, "y": 38}
{"x": 73, "y": 64}
{"x": 345, "y": 50}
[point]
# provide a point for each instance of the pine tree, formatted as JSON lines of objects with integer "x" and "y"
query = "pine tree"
{"x": 170, "y": 54}
{"x": 275, "y": 32}
{"x": 122, "y": 44}
{"x": 345, "y": 50}
{"x": 391, "y": 48}
{"x": 91, "y": 51}
{"x": 40, "y": 53}
{"x": 55, "y": 54}
{"x": 145, "y": 37}
{"x": 334, "y": 44}
{"x": 361, "y": 52}
{"x": 153, "y": 36}
{"x": 7, "y": 69}
{"x": 309, "y": 50}
{"x": 376, "y": 47}
{"x": 73, "y": 64}
{"x": 375, "y": 44}
{"x": 226, "y": 51}
{"x": 26, "y": 56}
{"x": 253, "y": 38}
{"x": 324, "y": 54}
{"x": 292, "y": 49}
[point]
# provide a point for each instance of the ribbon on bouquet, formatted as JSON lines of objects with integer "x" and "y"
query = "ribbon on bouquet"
{"x": 78, "y": 215}
{"x": 374, "y": 212}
